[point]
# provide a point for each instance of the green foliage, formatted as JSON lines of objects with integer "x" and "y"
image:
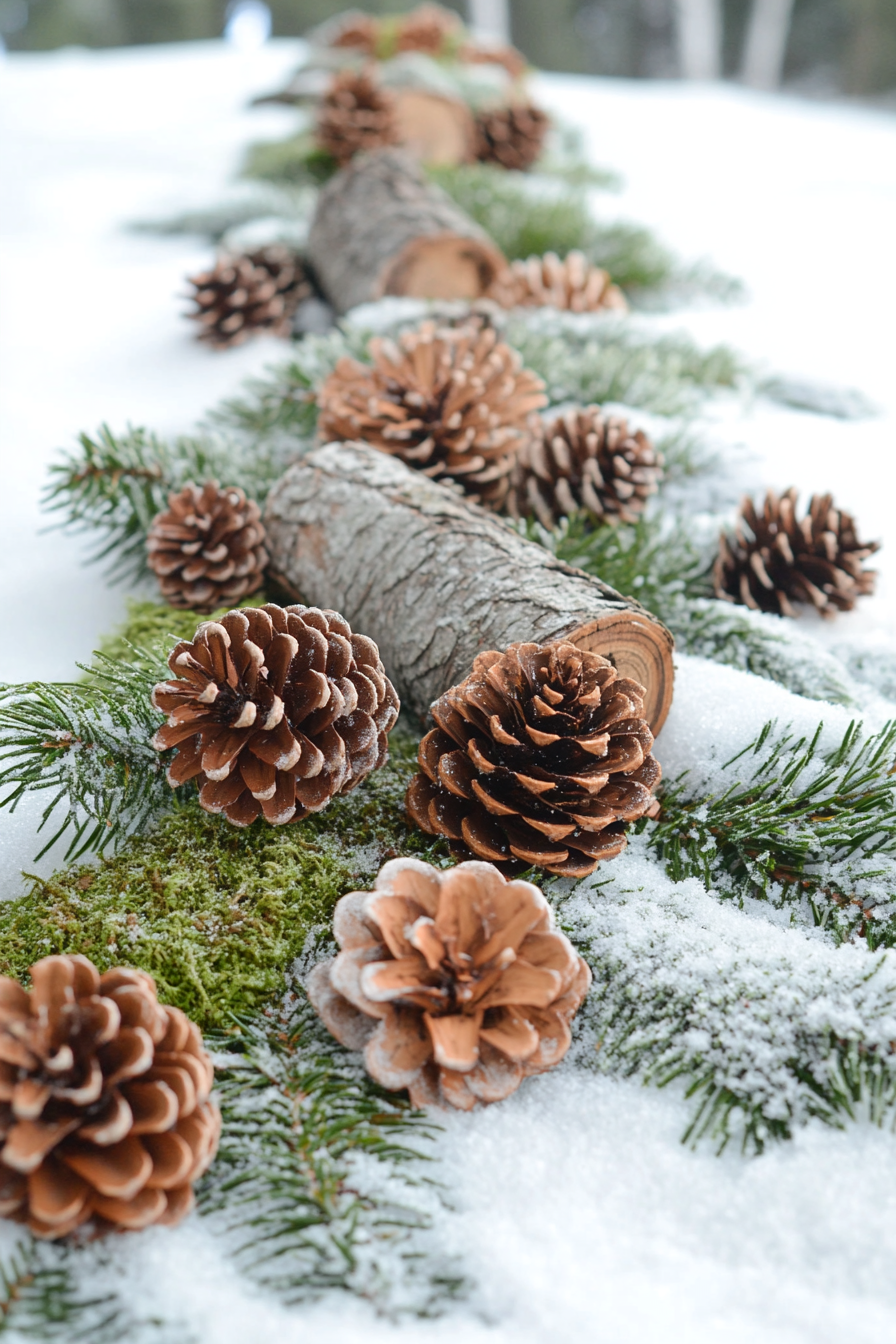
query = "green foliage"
{"x": 217, "y": 914}
{"x": 86, "y": 746}
{"x": 298, "y": 1112}
{"x": 295, "y": 162}
{"x": 114, "y": 485}
{"x": 619, "y": 360}
{"x": 804, "y": 828}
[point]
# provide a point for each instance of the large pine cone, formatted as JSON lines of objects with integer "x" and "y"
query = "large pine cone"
{"x": 512, "y": 137}
{"x": 772, "y": 559}
{"x": 574, "y": 285}
{"x": 453, "y": 402}
{"x": 585, "y": 460}
{"x": 541, "y": 756}
{"x": 354, "y": 115}
{"x": 106, "y": 1108}
{"x": 455, "y": 984}
{"x": 275, "y": 711}
{"x": 244, "y": 295}
{"x": 208, "y": 549}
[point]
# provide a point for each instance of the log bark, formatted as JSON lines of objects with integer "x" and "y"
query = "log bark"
{"x": 436, "y": 581}
{"x": 379, "y": 228}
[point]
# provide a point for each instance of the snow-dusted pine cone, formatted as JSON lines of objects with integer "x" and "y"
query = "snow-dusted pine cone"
{"x": 207, "y": 550}
{"x": 541, "y": 756}
{"x": 455, "y": 983}
{"x": 430, "y": 29}
{"x": 355, "y": 114}
{"x": 585, "y": 460}
{"x": 274, "y": 711}
{"x": 511, "y": 60}
{"x": 354, "y": 30}
{"x": 244, "y": 295}
{"x": 453, "y": 402}
{"x": 773, "y": 560}
{"x": 106, "y": 1110}
{"x": 574, "y": 285}
{"x": 512, "y": 136}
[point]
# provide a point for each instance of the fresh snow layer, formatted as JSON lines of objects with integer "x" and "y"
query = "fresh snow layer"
{"x": 575, "y": 1208}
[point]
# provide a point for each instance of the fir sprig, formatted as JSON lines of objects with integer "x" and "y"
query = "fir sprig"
{"x": 86, "y": 746}
{"x": 299, "y": 1112}
{"x": 806, "y": 827}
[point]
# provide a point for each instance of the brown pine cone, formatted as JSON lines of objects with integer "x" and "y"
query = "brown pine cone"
{"x": 512, "y": 136}
{"x": 585, "y": 460}
{"x": 275, "y": 711}
{"x": 540, "y": 756}
{"x": 455, "y": 984}
{"x": 772, "y": 559}
{"x": 354, "y": 115}
{"x": 355, "y": 31}
{"x": 453, "y": 402}
{"x": 511, "y": 60}
{"x": 208, "y": 549}
{"x": 105, "y": 1100}
{"x": 573, "y": 285}
{"x": 244, "y": 295}
{"x": 429, "y": 28}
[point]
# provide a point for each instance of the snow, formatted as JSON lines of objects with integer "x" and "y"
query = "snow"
{"x": 574, "y": 1206}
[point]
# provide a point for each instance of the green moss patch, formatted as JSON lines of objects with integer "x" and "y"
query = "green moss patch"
{"x": 217, "y": 915}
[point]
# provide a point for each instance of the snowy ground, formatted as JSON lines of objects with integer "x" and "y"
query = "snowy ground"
{"x": 576, "y": 1208}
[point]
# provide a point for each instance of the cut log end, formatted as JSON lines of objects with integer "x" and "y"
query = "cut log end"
{"x": 435, "y": 129}
{"x": 445, "y": 267}
{"x": 639, "y": 649}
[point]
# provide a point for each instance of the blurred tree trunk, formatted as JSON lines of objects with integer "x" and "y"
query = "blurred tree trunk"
{"x": 766, "y": 43}
{"x": 871, "y": 59}
{"x": 490, "y": 18}
{"x": 700, "y": 38}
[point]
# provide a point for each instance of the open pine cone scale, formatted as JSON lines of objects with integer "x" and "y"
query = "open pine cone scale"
{"x": 540, "y": 757}
{"x": 104, "y": 1100}
{"x": 455, "y": 984}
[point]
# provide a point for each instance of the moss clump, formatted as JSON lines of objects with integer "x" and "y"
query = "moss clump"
{"x": 217, "y": 915}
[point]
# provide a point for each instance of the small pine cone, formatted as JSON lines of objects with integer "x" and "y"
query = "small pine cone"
{"x": 574, "y": 285}
{"x": 243, "y": 295}
{"x": 540, "y": 756}
{"x": 354, "y": 115}
{"x": 772, "y": 559}
{"x": 429, "y": 28}
{"x": 453, "y": 402}
{"x": 454, "y": 983}
{"x": 512, "y": 136}
{"x": 275, "y": 711}
{"x": 106, "y": 1107}
{"x": 585, "y": 460}
{"x": 208, "y": 549}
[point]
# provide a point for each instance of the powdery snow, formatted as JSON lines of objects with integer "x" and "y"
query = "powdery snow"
{"x": 574, "y": 1204}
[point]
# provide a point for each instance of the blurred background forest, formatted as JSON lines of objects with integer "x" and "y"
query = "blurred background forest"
{"x": 816, "y": 47}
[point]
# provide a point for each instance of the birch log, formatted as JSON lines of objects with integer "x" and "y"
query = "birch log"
{"x": 435, "y": 580}
{"x": 380, "y": 228}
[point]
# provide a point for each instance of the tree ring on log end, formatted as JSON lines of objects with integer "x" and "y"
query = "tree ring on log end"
{"x": 444, "y": 266}
{"x": 434, "y": 128}
{"x": 640, "y": 649}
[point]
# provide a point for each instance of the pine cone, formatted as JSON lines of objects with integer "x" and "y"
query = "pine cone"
{"x": 355, "y": 114}
{"x": 279, "y": 709}
{"x": 243, "y": 295}
{"x": 429, "y": 28}
{"x": 512, "y": 136}
{"x": 585, "y": 460}
{"x": 573, "y": 285}
{"x": 541, "y": 755}
{"x": 355, "y": 31}
{"x": 455, "y": 984}
{"x": 773, "y": 560}
{"x": 453, "y": 402}
{"x": 106, "y": 1108}
{"x": 511, "y": 60}
{"x": 208, "y": 549}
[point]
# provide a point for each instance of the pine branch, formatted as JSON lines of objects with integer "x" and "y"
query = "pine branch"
{"x": 299, "y": 1114}
{"x": 87, "y": 747}
{"x": 804, "y": 828}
